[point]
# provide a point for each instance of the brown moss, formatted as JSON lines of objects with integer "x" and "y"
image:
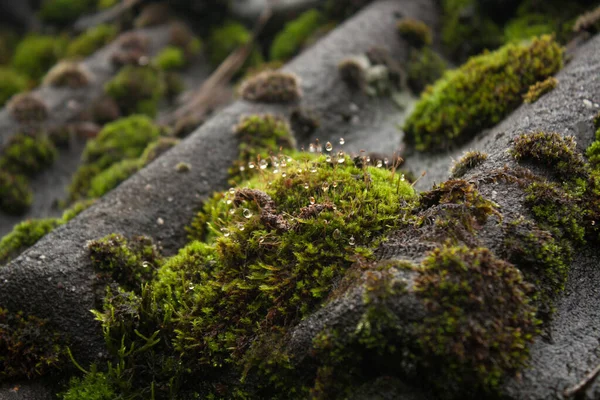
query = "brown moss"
{"x": 539, "y": 89}
{"x": 272, "y": 87}
{"x": 415, "y": 32}
{"x": 69, "y": 74}
{"x": 27, "y": 108}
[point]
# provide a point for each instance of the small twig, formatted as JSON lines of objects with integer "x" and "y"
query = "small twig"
{"x": 584, "y": 384}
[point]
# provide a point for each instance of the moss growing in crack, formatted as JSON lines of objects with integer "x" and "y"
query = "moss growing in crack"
{"x": 425, "y": 66}
{"x": 15, "y": 194}
{"x": 539, "y": 89}
{"x": 137, "y": 89}
{"x": 129, "y": 262}
{"x": 272, "y": 87}
{"x": 91, "y": 40}
{"x": 29, "y": 347}
{"x": 124, "y": 139}
{"x": 480, "y": 93}
{"x": 11, "y": 83}
{"x": 112, "y": 176}
{"x": 415, "y": 32}
{"x": 27, "y": 108}
{"x": 225, "y": 39}
{"x": 27, "y": 155}
{"x": 468, "y": 161}
{"x": 63, "y": 12}
{"x": 35, "y": 55}
{"x": 481, "y": 319}
{"x": 289, "y": 41}
{"x": 170, "y": 58}
{"x": 67, "y": 73}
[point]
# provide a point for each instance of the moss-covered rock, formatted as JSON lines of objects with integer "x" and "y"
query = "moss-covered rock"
{"x": 289, "y": 41}
{"x": 468, "y": 161}
{"x": 27, "y": 155}
{"x": 137, "y": 89}
{"x": 539, "y": 89}
{"x": 35, "y": 54}
{"x": 480, "y": 93}
{"x": 271, "y": 87}
{"x": 91, "y": 40}
{"x": 11, "y": 83}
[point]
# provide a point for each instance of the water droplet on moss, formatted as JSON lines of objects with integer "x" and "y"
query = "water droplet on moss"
{"x": 261, "y": 240}
{"x": 334, "y": 184}
{"x": 379, "y": 164}
{"x": 263, "y": 164}
{"x": 247, "y": 213}
{"x": 312, "y": 200}
{"x": 328, "y": 159}
{"x": 225, "y": 232}
{"x": 313, "y": 168}
{"x": 251, "y": 165}
{"x": 402, "y": 178}
{"x": 328, "y": 146}
{"x": 145, "y": 264}
{"x": 351, "y": 241}
{"x": 306, "y": 186}
{"x": 325, "y": 186}
{"x": 342, "y": 141}
{"x": 336, "y": 234}
{"x": 341, "y": 157}
{"x": 231, "y": 190}
{"x": 191, "y": 286}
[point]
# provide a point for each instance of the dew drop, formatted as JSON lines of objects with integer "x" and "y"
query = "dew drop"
{"x": 593, "y": 223}
{"x": 229, "y": 201}
{"x": 402, "y": 178}
{"x": 368, "y": 159}
{"x": 191, "y": 286}
{"x": 225, "y": 232}
{"x": 231, "y": 190}
{"x": 312, "y": 200}
{"x": 313, "y": 168}
{"x": 261, "y": 240}
{"x": 328, "y": 159}
{"x": 342, "y": 141}
{"x": 385, "y": 161}
{"x": 283, "y": 174}
{"x": 232, "y": 211}
{"x": 283, "y": 163}
{"x": 251, "y": 165}
{"x": 334, "y": 184}
{"x": 145, "y": 264}
{"x": 325, "y": 186}
{"x": 275, "y": 171}
{"x": 247, "y": 213}
{"x": 328, "y": 146}
{"x": 263, "y": 164}
{"x": 337, "y": 234}
{"x": 341, "y": 157}
{"x": 242, "y": 168}
{"x": 351, "y": 241}
{"x": 299, "y": 170}
{"x": 289, "y": 159}
{"x": 379, "y": 164}
{"x": 241, "y": 227}
{"x": 306, "y": 186}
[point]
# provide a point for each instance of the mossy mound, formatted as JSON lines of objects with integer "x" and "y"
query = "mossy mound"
{"x": 28, "y": 155}
{"x": 170, "y": 58}
{"x": 539, "y": 89}
{"x": 62, "y": 12}
{"x": 468, "y": 161}
{"x": 35, "y": 54}
{"x": 137, "y": 89}
{"x": 15, "y": 193}
{"x": 480, "y": 93}
{"x": 290, "y": 40}
{"x": 68, "y": 74}
{"x": 415, "y": 32}
{"x": 225, "y": 39}
{"x": 11, "y": 83}
{"x": 91, "y": 40}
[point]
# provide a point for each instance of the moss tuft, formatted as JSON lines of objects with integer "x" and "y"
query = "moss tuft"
{"x": 91, "y": 40}
{"x": 481, "y": 319}
{"x": 27, "y": 108}
{"x": 468, "y": 161}
{"x": 137, "y": 89}
{"x": 35, "y": 54}
{"x": 70, "y": 74}
{"x": 272, "y": 87}
{"x": 15, "y": 194}
{"x": 480, "y": 93}
{"x": 63, "y": 12}
{"x": 25, "y": 235}
{"x": 93, "y": 386}
{"x": 353, "y": 71}
{"x": 11, "y": 83}
{"x": 289, "y": 41}
{"x": 539, "y": 89}
{"x": 225, "y": 39}
{"x": 181, "y": 36}
{"x": 111, "y": 177}
{"x": 415, "y": 32}
{"x": 425, "y": 66}
{"x": 170, "y": 58}
{"x": 27, "y": 155}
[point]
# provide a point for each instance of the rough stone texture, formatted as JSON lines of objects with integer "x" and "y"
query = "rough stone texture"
{"x": 159, "y": 202}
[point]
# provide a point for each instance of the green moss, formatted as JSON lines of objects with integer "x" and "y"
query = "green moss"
{"x": 35, "y": 54}
{"x": 424, "y": 67}
{"x": 181, "y": 36}
{"x": 557, "y": 152}
{"x": 468, "y": 161}
{"x": 15, "y": 193}
{"x": 93, "y": 386}
{"x": 157, "y": 148}
{"x": 593, "y": 151}
{"x": 124, "y": 139}
{"x": 170, "y": 58}
{"x": 91, "y": 40}
{"x": 415, "y": 32}
{"x": 225, "y": 39}
{"x": 289, "y": 41}
{"x": 24, "y": 235}
{"x": 539, "y": 89}
{"x": 527, "y": 26}
{"x": 480, "y": 93}
{"x": 111, "y": 177}
{"x": 480, "y": 321}
{"x": 11, "y": 83}
{"x": 8, "y": 41}
{"x": 63, "y": 12}
{"x": 137, "y": 89}
{"x": 272, "y": 87}
{"x": 106, "y": 4}
{"x": 129, "y": 262}
{"x": 27, "y": 155}
{"x": 29, "y": 347}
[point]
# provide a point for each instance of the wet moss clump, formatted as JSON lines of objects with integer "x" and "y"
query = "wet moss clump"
{"x": 480, "y": 318}
{"x": 11, "y": 83}
{"x": 35, "y": 54}
{"x": 468, "y": 161}
{"x": 539, "y": 89}
{"x": 68, "y": 74}
{"x": 137, "y": 89}
{"x": 62, "y": 12}
{"x": 272, "y": 87}
{"x": 170, "y": 58}
{"x": 527, "y": 26}
{"x": 593, "y": 151}
{"x": 93, "y": 386}
{"x": 91, "y": 40}
{"x": 225, "y": 39}
{"x": 480, "y": 93}
{"x": 289, "y": 41}
{"x": 425, "y": 66}
{"x": 15, "y": 194}
{"x": 29, "y": 347}
{"x": 27, "y": 155}
{"x": 415, "y": 32}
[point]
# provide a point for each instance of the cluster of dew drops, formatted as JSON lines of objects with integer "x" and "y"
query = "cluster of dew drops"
{"x": 280, "y": 164}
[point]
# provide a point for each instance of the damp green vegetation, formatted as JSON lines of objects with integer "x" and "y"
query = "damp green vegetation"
{"x": 27, "y": 233}
{"x": 224, "y": 39}
{"x": 468, "y": 161}
{"x": 289, "y": 41}
{"x": 271, "y": 87}
{"x": 68, "y": 74}
{"x": 15, "y": 194}
{"x": 480, "y": 318}
{"x": 93, "y": 386}
{"x": 480, "y": 93}
{"x": 170, "y": 58}
{"x": 527, "y": 26}
{"x": 115, "y": 154}
{"x": 29, "y": 347}
{"x": 11, "y": 83}
{"x": 593, "y": 152}
{"x": 425, "y": 66}
{"x": 62, "y": 12}
{"x": 137, "y": 89}
{"x": 415, "y": 32}
{"x": 35, "y": 54}
{"x": 91, "y": 40}
{"x": 539, "y": 89}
